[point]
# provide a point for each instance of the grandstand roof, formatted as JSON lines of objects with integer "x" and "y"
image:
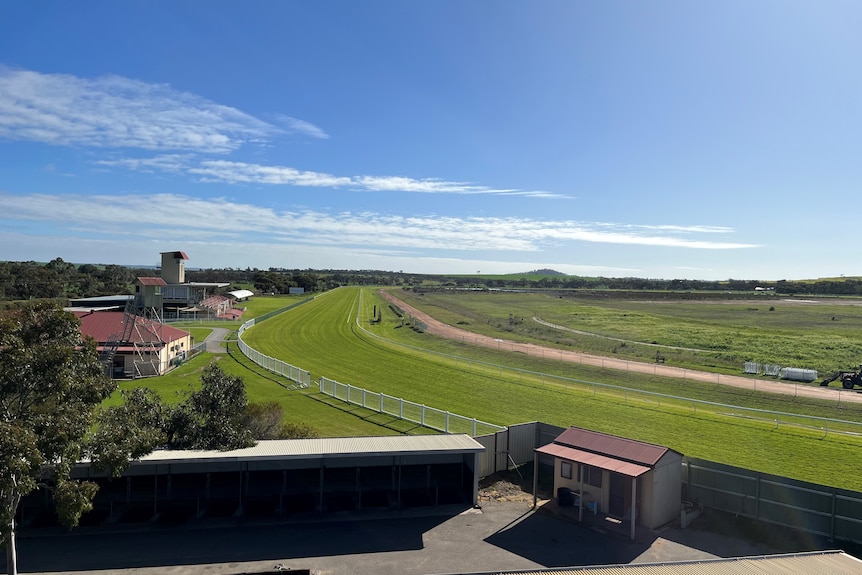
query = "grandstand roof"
{"x": 241, "y": 293}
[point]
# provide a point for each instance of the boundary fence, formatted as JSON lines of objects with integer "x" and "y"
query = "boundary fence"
{"x": 818, "y": 509}
{"x": 295, "y": 374}
{"x": 423, "y": 415}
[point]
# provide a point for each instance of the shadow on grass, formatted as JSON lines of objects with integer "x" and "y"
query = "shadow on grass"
{"x": 381, "y": 419}
{"x": 242, "y": 360}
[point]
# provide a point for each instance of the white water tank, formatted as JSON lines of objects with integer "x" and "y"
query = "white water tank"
{"x": 798, "y": 374}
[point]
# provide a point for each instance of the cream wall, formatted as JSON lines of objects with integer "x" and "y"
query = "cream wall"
{"x": 659, "y": 490}
{"x": 590, "y": 493}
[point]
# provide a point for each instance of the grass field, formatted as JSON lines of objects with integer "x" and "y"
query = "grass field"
{"x": 323, "y": 337}
{"x": 716, "y": 335}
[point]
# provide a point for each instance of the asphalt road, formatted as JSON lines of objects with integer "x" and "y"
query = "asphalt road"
{"x": 499, "y": 536}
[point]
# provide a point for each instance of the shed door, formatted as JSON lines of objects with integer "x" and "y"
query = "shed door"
{"x": 617, "y": 496}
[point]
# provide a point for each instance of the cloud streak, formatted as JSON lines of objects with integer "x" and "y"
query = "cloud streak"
{"x": 232, "y": 172}
{"x": 195, "y": 218}
{"x": 117, "y": 112}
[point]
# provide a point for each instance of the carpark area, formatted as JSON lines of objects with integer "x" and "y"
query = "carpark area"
{"x": 504, "y": 534}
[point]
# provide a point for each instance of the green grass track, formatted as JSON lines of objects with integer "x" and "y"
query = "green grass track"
{"x": 322, "y": 337}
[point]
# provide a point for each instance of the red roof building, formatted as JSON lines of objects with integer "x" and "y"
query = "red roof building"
{"x": 136, "y": 346}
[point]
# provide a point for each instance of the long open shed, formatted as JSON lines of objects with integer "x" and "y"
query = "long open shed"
{"x": 285, "y": 477}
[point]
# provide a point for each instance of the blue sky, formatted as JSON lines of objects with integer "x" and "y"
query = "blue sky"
{"x": 661, "y": 139}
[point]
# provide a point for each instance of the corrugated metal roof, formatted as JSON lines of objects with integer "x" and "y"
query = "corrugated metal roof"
{"x": 177, "y": 255}
{"x": 617, "y": 447}
{"x": 102, "y": 325}
{"x": 151, "y": 281}
{"x": 241, "y": 293}
{"x": 832, "y": 562}
{"x": 329, "y": 447}
{"x": 594, "y": 459}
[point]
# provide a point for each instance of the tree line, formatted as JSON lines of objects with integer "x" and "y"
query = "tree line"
{"x": 59, "y": 279}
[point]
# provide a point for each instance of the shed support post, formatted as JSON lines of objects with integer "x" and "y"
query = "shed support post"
{"x": 634, "y": 505}
{"x": 535, "y": 479}
{"x": 320, "y": 498}
{"x": 580, "y": 492}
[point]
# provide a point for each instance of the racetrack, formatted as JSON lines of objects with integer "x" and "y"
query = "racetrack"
{"x": 441, "y": 329}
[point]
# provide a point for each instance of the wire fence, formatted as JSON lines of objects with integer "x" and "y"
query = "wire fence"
{"x": 423, "y": 415}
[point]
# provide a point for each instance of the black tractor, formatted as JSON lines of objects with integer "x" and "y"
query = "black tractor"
{"x": 849, "y": 379}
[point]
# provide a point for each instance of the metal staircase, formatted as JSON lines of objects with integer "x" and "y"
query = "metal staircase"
{"x": 148, "y": 343}
{"x": 109, "y": 350}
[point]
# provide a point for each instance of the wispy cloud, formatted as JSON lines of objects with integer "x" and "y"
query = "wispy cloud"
{"x": 297, "y": 126}
{"x": 218, "y": 218}
{"x": 241, "y": 172}
{"x": 163, "y": 163}
{"x": 231, "y": 172}
{"x": 118, "y": 112}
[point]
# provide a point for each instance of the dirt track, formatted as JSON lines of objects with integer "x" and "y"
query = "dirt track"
{"x": 771, "y": 386}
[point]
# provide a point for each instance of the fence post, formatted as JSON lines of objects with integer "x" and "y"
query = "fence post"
{"x": 474, "y": 427}
{"x": 422, "y": 417}
{"x": 447, "y": 422}
{"x": 381, "y": 404}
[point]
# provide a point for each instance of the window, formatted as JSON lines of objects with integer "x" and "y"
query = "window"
{"x": 566, "y": 469}
{"x": 592, "y": 476}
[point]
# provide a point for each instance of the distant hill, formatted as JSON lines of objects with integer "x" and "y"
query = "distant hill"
{"x": 545, "y": 272}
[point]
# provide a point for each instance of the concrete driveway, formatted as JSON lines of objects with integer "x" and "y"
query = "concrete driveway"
{"x": 499, "y": 536}
{"x": 215, "y": 338}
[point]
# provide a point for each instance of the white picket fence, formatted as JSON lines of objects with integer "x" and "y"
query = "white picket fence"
{"x": 423, "y": 415}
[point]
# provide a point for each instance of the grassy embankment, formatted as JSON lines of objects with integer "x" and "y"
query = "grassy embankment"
{"x": 322, "y": 337}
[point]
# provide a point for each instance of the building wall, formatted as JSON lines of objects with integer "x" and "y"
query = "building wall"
{"x": 590, "y": 492}
{"x": 168, "y": 357}
{"x": 665, "y": 491}
{"x": 658, "y": 491}
{"x": 173, "y": 269}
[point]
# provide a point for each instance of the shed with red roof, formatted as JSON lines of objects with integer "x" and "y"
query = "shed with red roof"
{"x": 622, "y": 478}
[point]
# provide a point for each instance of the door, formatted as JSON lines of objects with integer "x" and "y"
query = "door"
{"x": 617, "y": 494}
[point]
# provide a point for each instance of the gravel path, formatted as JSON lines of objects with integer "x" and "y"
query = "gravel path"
{"x": 441, "y": 329}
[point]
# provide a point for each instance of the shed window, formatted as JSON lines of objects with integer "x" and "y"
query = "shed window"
{"x": 566, "y": 469}
{"x": 592, "y": 476}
